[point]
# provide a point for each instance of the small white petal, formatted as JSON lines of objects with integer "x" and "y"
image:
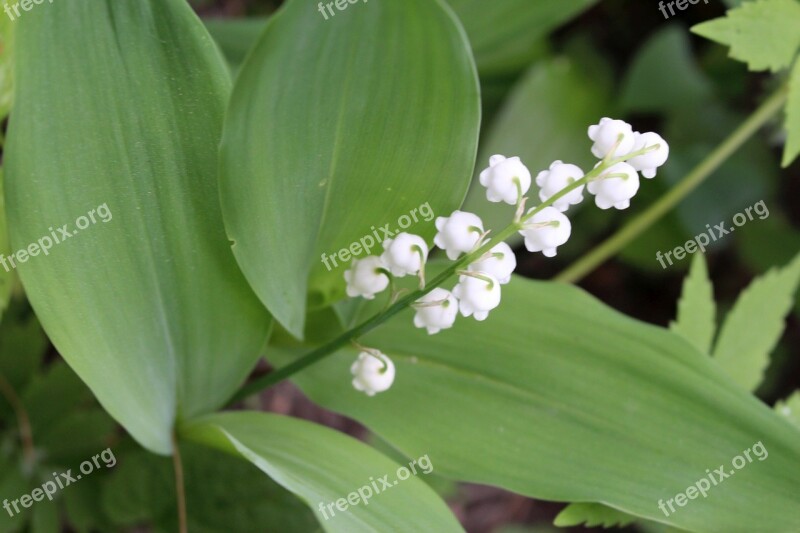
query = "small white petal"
{"x": 477, "y": 296}
{"x": 500, "y": 262}
{"x": 402, "y": 254}
{"x": 554, "y": 180}
{"x": 436, "y": 317}
{"x": 502, "y": 177}
{"x": 649, "y": 162}
{"x": 615, "y": 191}
{"x": 366, "y": 277}
{"x": 606, "y": 135}
{"x": 458, "y": 233}
{"x": 372, "y": 373}
{"x": 546, "y": 238}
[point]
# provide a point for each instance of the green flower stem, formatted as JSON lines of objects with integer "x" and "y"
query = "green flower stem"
{"x": 666, "y": 203}
{"x": 365, "y": 327}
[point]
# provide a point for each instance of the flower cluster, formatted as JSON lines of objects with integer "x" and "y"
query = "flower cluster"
{"x": 613, "y": 182}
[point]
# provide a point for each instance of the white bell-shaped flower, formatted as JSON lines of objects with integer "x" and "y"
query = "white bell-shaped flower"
{"x": 500, "y": 262}
{"x": 555, "y": 179}
{"x": 477, "y": 295}
{"x": 606, "y": 135}
{"x": 506, "y": 179}
{"x": 366, "y": 277}
{"x": 649, "y": 162}
{"x": 373, "y": 372}
{"x": 615, "y": 187}
{"x": 436, "y": 311}
{"x": 405, "y": 254}
{"x": 458, "y": 233}
{"x": 546, "y": 231}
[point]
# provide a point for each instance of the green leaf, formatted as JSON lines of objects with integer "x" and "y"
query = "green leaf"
{"x": 224, "y": 494}
{"x": 6, "y": 66}
{"x": 45, "y": 518}
{"x": 13, "y": 485}
{"x": 235, "y": 37}
{"x": 592, "y": 515}
{"x": 57, "y": 381}
{"x": 6, "y": 274}
{"x": 790, "y": 408}
{"x": 77, "y": 436}
{"x": 558, "y": 397}
{"x": 762, "y": 33}
{"x": 146, "y": 304}
{"x": 696, "y": 309}
{"x": 314, "y": 159}
{"x": 755, "y": 325}
{"x": 505, "y": 33}
{"x": 544, "y": 119}
{"x": 323, "y": 466}
{"x": 792, "y": 149}
{"x": 664, "y": 75}
{"x": 22, "y": 347}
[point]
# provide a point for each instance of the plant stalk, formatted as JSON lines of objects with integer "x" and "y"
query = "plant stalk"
{"x": 180, "y": 487}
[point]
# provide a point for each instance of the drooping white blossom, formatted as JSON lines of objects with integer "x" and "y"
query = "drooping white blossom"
{"x": 477, "y": 295}
{"x": 606, "y": 135}
{"x": 372, "y": 372}
{"x": 555, "y": 179}
{"x": 366, "y": 277}
{"x": 405, "y": 254}
{"x": 506, "y": 179}
{"x": 500, "y": 262}
{"x": 458, "y": 233}
{"x": 615, "y": 187}
{"x": 436, "y": 310}
{"x": 546, "y": 231}
{"x": 649, "y": 162}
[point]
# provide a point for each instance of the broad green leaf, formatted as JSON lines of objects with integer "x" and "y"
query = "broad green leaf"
{"x": 592, "y": 515}
{"x": 6, "y": 65}
{"x": 696, "y": 320}
{"x": 235, "y": 37}
{"x": 664, "y": 75}
{"x": 6, "y": 272}
{"x": 792, "y": 149}
{"x": 755, "y": 324}
{"x": 544, "y": 119}
{"x": 337, "y": 127}
{"x": 323, "y": 466}
{"x": 224, "y": 494}
{"x": 146, "y": 304}
{"x": 557, "y": 397}
{"x": 790, "y": 408}
{"x": 505, "y": 33}
{"x": 763, "y": 33}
